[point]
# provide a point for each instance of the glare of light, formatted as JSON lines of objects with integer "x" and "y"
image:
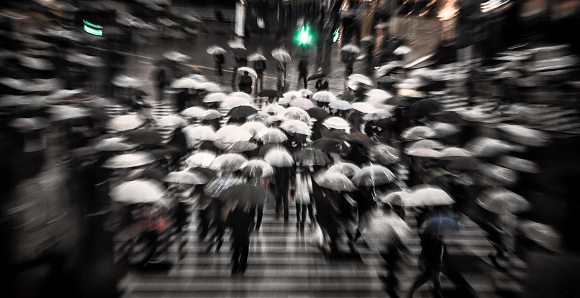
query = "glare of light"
{"x": 448, "y": 11}
{"x": 92, "y": 31}
{"x": 92, "y": 25}
{"x": 304, "y": 36}
{"x": 335, "y": 35}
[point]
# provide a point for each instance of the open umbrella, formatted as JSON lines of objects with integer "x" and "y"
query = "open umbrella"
{"x": 241, "y": 112}
{"x": 316, "y": 76}
{"x": 271, "y": 135}
{"x": 302, "y": 103}
{"x": 425, "y": 144}
{"x": 186, "y": 83}
{"x": 257, "y": 168}
{"x": 517, "y": 164}
{"x": 257, "y": 57}
{"x": 384, "y": 154}
{"x": 502, "y": 201}
{"x": 440, "y": 225}
{"x": 388, "y": 68}
{"x": 127, "y": 82}
{"x": 379, "y": 114}
{"x": 454, "y": 152}
{"x": 186, "y": 177}
{"x": 289, "y": 96}
{"x": 281, "y": 55}
{"x": 274, "y": 109}
{"x": 234, "y": 101}
{"x": 324, "y": 96}
{"x": 443, "y": 129}
{"x": 138, "y": 191}
{"x": 296, "y": 114}
{"x": 542, "y": 234}
{"x": 176, "y": 56}
{"x": 210, "y": 87}
{"x": 346, "y": 96}
{"x": 423, "y": 152}
{"x": 129, "y": 160}
{"x": 416, "y": 133}
{"x": 346, "y": 168}
{"x": 336, "y": 123}
{"x": 214, "y": 97}
{"x": 228, "y": 163}
{"x": 64, "y": 113}
{"x": 274, "y": 119}
{"x": 334, "y": 181}
{"x": 149, "y": 137}
{"x": 237, "y": 147}
{"x": 342, "y": 105}
{"x": 428, "y": 195}
{"x": 195, "y": 134}
{"x": 304, "y": 93}
{"x": 497, "y": 175}
{"x": 250, "y": 71}
{"x": 488, "y": 147}
{"x": 215, "y": 50}
{"x": 244, "y": 95}
{"x": 523, "y": 135}
{"x": 114, "y": 145}
{"x": 211, "y": 114}
{"x": 355, "y": 79}
{"x": 253, "y": 127}
{"x": 318, "y": 113}
{"x": 364, "y": 107}
{"x": 373, "y": 175}
{"x": 351, "y": 48}
{"x": 200, "y": 159}
{"x": 215, "y": 188}
{"x": 310, "y": 157}
{"x": 377, "y": 96}
{"x": 279, "y": 157}
{"x": 125, "y": 123}
{"x": 171, "y": 121}
{"x": 424, "y": 108}
{"x": 296, "y": 126}
{"x": 270, "y": 93}
{"x": 232, "y": 133}
{"x": 331, "y": 145}
{"x": 397, "y": 198}
{"x": 246, "y": 196}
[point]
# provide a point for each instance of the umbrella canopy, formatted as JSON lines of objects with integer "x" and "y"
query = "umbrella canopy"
{"x": 296, "y": 126}
{"x": 257, "y": 57}
{"x": 138, "y": 191}
{"x": 425, "y": 144}
{"x": 129, "y": 160}
{"x": 310, "y": 157}
{"x": 373, "y": 175}
{"x": 214, "y": 97}
{"x": 379, "y": 114}
{"x": 127, "y": 82}
{"x": 257, "y": 168}
{"x": 243, "y": 95}
{"x": 237, "y": 147}
{"x": 497, "y": 175}
{"x": 336, "y": 123}
{"x": 324, "y": 96}
{"x": 210, "y": 87}
{"x": 211, "y": 114}
{"x": 114, "y": 145}
{"x": 271, "y": 135}
{"x": 215, "y": 188}
{"x": 186, "y": 83}
{"x": 250, "y": 71}
{"x": 186, "y": 177}
{"x": 346, "y": 168}
{"x": 148, "y": 137}
{"x": 245, "y": 195}
{"x": 196, "y": 134}
{"x": 454, "y": 152}
{"x": 523, "y": 135}
{"x": 281, "y": 55}
{"x": 279, "y": 157}
{"x": 424, "y": 108}
{"x": 274, "y": 109}
{"x": 364, "y": 107}
{"x": 125, "y": 123}
{"x": 316, "y": 76}
{"x": 296, "y": 114}
{"x": 440, "y": 225}
{"x": 384, "y": 154}
{"x": 334, "y": 181}
{"x": 397, "y": 198}
{"x": 351, "y": 48}
{"x": 273, "y": 119}
{"x": 389, "y": 67}
{"x": 215, "y": 50}
{"x": 302, "y": 103}
{"x": 517, "y": 164}
{"x": 270, "y": 93}
{"x": 331, "y": 145}
{"x": 355, "y": 79}
{"x": 424, "y": 152}
{"x": 428, "y": 195}
{"x": 176, "y": 56}
{"x": 318, "y": 113}
{"x": 194, "y": 112}
{"x": 234, "y": 101}
{"x": 232, "y": 133}
{"x": 502, "y": 201}
{"x": 289, "y": 96}
{"x": 487, "y": 147}
{"x": 171, "y": 121}
{"x": 241, "y": 112}
{"x": 542, "y": 234}
{"x": 201, "y": 159}
{"x": 377, "y": 96}
{"x": 253, "y": 127}
{"x": 228, "y": 163}
{"x": 342, "y": 105}
{"x": 416, "y": 133}
{"x": 304, "y": 93}
{"x": 443, "y": 129}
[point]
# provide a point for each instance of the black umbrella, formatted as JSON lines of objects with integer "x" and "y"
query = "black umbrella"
{"x": 316, "y": 76}
{"x": 311, "y": 157}
{"x": 317, "y": 113}
{"x": 270, "y": 93}
{"x": 331, "y": 145}
{"x": 144, "y": 137}
{"x": 241, "y": 112}
{"x": 346, "y": 96}
{"x": 243, "y": 194}
{"x": 424, "y": 108}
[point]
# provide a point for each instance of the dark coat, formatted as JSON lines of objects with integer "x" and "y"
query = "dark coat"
{"x": 245, "y": 84}
{"x": 320, "y": 86}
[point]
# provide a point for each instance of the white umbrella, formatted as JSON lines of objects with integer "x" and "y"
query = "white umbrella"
{"x": 233, "y": 101}
{"x": 201, "y": 159}
{"x": 197, "y": 77}
{"x": 65, "y": 112}
{"x": 126, "y": 82}
{"x": 253, "y": 127}
{"x": 250, "y": 71}
{"x": 488, "y": 147}
{"x": 247, "y": 96}
{"x": 354, "y": 80}
{"x": 195, "y": 134}
{"x": 364, "y": 107}
{"x": 215, "y": 97}
{"x": 324, "y": 96}
{"x": 296, "y": 114}
{"x": 304, "y": 92}
{"x": 114, "y": 144}
{"x": 377, "y": 115}
{"x": 215, "y": 50}
{"x": 186, "y": 83}
{"x": 416, "y": 133}
{"x": 523, "y": 135}
{"x": 232, "y": 133}
{"x": 210, "y": 87}
{"x": 176, "y": 56}
{"x": 228, "y": 162}
{"x": 385, "y": 69}
{"x": 186, "y": 177}
{"x": 296, "y": 126}
{"x": 275, "y": 118}
{"x": 138, "y": 191}
{"x": 271, "y": 135}
{"x": 129, "y": 160}
{"x": 273, "y": 109}
{"x": 351, "y": 48}
{"x": 402, "y": 50}
{"x": 236, "y": 44}
{"x": 281, "y": 55}
{"x": 443, "y": 129}
{"x": 279, "y": 157}
{"x": 336, "y": 123}
{"x": 410, "y": 93}
{"x": 377, "y": 95}
{"x": 257, "y": 168}
{"x": 257, "y": 57}
{"x": 211, "y": 114}
{"x": 454, "y": 152}
{"x": 193, "y": 112}
{"x": 125, "y": 122}
{"x": 428, "y": 195}
{"x": 171, "y": 121}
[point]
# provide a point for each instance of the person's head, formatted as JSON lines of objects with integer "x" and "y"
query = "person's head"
{"x": 271, "y": 99}
{"x": 245, "y": 73}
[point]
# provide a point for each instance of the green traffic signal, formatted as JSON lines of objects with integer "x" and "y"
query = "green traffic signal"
{"x": 304, "y": 36}
{"x": 335, "y": 35}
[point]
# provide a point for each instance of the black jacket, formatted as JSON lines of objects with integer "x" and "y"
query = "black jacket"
{"x": 321, "y": 86}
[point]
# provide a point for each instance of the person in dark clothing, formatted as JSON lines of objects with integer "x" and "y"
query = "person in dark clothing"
{"x": 161, "y": 81}
{"x": 322, "y": 84}
{"x": 239, "y": 62}
{"x": 182, "y": 100}
{"x": 281, "y": 76}
{"x": 348, "y": 60}
{"x": 245, "y": 84}
{"x": 260, "y": 67}
{"x": 241, "y": 222}
{"x": 303, "y": 72}
{"x": 355, "y": 120}
{"x": 220, "y": 60}
{"x": 282, "y": 180}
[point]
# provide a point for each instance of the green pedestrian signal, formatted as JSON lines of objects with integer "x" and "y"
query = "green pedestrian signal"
{"x": 304, "y": 36}
{"x": 335, "y": 35}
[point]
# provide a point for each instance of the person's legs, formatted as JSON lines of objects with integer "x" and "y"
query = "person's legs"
{"x": 311, "y": 213}
{"x": 298, "y": 213}
{"x": 236, "y": 256}
{"x": 420, "y": 280}
{"x": 304, "y": 210}
{"x": 245, "y": 249}
{"x": 284, "y": 193}
{"x": 278, "y": 204}
{"x": 305, "y": 82}
{"x": 259, "y": 219}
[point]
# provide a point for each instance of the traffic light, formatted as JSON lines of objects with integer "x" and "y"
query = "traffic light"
{"x": 335, "y": 35}
{"x": 304, "y": 36}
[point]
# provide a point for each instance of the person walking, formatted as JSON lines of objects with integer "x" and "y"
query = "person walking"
{"x": 348, "y": 60}
{"x": 239, "y": 61}
{"x": 282, "y": 180}
{"x": 302, "y": 197}
{"x": 241, "y": 221}
{"x": 220, "y": 60}
{"x": 260, "y": 67}
{"x": 281, "y": 76}
{"x": 322, "y": 84}
{"x": 302, "y": 72}
{"x": 161, "y": 80}
{"x": 245, "y": 84}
